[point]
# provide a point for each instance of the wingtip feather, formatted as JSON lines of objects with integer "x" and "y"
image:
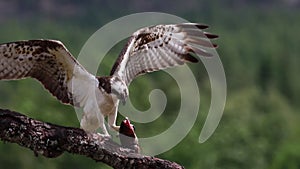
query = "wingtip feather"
{"x": 194, "y": 25}
{"x": 210, "y": 36}
{"x": 198, "y": 51}
{"x": 190, "y": 58}
{"x": 202, "y": 26}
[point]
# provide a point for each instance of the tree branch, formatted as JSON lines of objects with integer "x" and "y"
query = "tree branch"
{"x": 52, "y": 140}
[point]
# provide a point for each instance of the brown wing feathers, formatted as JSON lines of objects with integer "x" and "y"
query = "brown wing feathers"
{"x": 154, "y": 48}
{"x": 37, "y": 59}
{"x": 196, "y": 41}
{"x": 162, "y": 46}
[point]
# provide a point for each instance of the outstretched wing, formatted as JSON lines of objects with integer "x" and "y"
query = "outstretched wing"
{"x": 158, "y": 47}
{"x": 48, "y": 61}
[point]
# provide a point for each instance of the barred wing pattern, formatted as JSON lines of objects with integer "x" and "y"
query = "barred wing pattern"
{"x": 160, "y": 47}
{"x": 48, "y": 61}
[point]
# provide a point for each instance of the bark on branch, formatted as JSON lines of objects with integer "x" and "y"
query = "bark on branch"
{"x": 52, "y": 140}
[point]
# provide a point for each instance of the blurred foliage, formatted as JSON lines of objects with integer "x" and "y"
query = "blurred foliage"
{"x": 259, "y": 48}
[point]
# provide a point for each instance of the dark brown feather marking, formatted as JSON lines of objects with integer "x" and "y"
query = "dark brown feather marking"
{"x": 210, "y": 36}
{"x": 145, "y": 38}
{"x": 34, "y": 58}
{"x": 188, "y": 26}
{"x": 163, "y": 46}
{"x": 121, "y": 56}
{"x": 190, "y": 58}
{"x": 104, "y": 83}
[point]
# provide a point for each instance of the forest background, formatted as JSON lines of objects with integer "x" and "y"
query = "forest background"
{"x": 258, "y": 45}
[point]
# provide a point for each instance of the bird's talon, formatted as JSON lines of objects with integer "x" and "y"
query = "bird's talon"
{"x": 105, "y": 136}
{"x": 116, "y": 128}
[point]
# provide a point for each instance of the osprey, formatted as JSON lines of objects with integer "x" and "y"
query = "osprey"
{"x": 148, "y": 49}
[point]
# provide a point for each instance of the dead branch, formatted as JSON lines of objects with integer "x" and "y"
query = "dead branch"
{"x": 52, "y": 140}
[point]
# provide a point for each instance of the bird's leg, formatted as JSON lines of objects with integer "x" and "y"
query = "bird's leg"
{"x": 91, "y": 124}
{"x": 102, "y": 126}
{"x": 112, "y": 121}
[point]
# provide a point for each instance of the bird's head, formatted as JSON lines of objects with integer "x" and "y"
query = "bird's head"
{"x": 114, "y": 85}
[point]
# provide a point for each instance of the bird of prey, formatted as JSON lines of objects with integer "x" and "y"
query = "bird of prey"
{"x": 148, "y": 49}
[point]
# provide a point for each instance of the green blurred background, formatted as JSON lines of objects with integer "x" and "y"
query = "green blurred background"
{"x": 259, "y": 47}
